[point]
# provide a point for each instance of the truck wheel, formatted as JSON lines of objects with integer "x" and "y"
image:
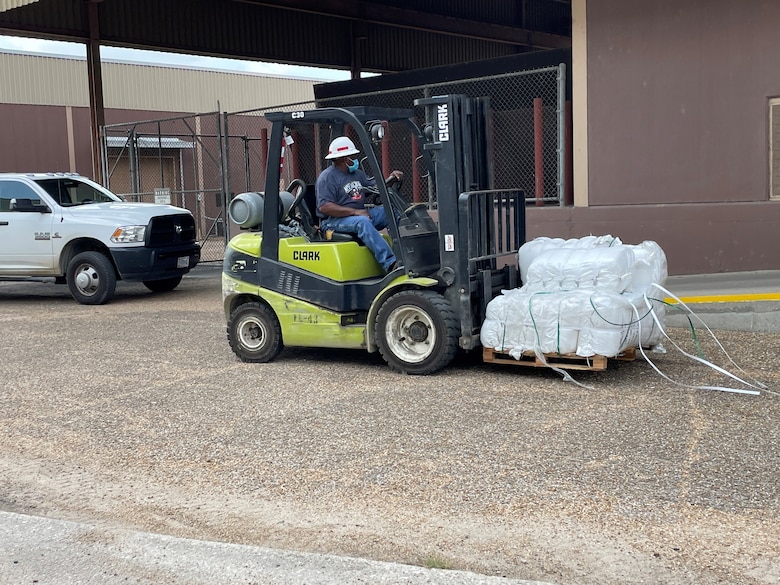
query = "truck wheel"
{"x": 91, "y": 278}
{"x": 417, "y": 332}
{"x": 163, "y": 285}
{"x": 254, "y": 333}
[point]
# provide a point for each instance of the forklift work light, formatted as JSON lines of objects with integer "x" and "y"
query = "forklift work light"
{"x": 377, "y": 131}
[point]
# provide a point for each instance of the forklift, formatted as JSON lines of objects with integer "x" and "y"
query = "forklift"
{"x": 285, "y": 282}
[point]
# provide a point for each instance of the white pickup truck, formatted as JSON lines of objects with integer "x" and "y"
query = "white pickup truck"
{"x": 66, "y": 226}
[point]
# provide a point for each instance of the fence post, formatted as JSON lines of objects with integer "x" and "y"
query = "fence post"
{"x": 224, "y": 171}
{"x": 568, "y": 187}
{"x": 561, "y": 111}
{"x": 539, "y": 151}
{"x": 104, "y": 158}
{"x": 263, "y": 153}
{"x": 135, "y": 180}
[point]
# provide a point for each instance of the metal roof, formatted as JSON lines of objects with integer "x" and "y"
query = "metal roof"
{"x": 376, "y": 35}
{"x": 149, "y": 142}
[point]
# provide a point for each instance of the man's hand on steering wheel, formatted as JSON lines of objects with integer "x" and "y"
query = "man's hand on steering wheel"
{"x": 395, "y": 177}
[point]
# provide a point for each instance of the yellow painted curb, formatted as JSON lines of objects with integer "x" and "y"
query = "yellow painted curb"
{"x": 741, "y": 298}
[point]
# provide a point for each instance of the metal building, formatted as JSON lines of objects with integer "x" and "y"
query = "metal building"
{"x": 44, "y": 103}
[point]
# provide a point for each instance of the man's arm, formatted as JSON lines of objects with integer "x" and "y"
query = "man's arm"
{"x": 394, "y": 176}
{"x": 334, "y": 210}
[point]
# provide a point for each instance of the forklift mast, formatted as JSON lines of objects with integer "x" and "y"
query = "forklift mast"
{"x": 480, "y": 228}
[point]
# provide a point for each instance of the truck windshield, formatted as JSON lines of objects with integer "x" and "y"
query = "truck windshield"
{"x": 70, "y": 192}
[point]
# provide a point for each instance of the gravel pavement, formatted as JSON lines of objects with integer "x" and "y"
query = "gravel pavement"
{"x": 136, "y": 418}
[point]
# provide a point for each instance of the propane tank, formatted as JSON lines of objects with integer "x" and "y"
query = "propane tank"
{"x": 246, "y": 209}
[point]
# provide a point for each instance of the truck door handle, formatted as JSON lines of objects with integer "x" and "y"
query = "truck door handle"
{"x": 3, "y": 223}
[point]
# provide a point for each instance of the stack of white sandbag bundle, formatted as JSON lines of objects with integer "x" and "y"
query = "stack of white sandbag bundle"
{"x": 582, "y": 296}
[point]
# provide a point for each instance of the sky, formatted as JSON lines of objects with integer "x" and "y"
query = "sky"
{"x": 44, "y": 47}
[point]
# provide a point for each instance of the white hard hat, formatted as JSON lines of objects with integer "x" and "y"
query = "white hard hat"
{"x": 341, "y": 146}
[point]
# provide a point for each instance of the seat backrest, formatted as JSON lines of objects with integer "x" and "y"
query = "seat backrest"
{"x": 307, "y": 215}
{"x": 310, "y": 222}
{"x": 310, "y": 200}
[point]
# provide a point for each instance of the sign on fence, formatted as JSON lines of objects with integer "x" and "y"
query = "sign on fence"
{"x": 162, "y": 195}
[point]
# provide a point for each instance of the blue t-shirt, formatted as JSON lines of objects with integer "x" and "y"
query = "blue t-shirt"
{"x": 342, "y": 188}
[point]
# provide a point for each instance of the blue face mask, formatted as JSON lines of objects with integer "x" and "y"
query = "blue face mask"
{"x": 354, "y": 166}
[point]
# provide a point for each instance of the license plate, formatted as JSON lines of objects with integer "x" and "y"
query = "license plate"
{"x": 183, "y": 262}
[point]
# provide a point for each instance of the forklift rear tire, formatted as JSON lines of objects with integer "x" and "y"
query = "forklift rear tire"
{"x": 417, "y": 332}
{"x": 254, "y": 333}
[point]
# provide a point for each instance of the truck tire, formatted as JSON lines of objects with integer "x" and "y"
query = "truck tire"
{"x": 91, "y": 278}
{"x": 417, "y": 332}
{"x": 164, "y": 285}
{"x": 254, "y": 333}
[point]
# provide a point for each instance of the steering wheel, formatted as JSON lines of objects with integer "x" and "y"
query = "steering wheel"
{"x": 394, "y": 182}
{"x": 414, "y": 207}
{"x": 298, "y": 198}
{"x": 394, "y": 185}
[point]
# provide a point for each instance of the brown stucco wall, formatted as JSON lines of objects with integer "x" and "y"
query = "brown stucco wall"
{"x": 697, "y": 238}
{"x": 677, "y": 132}
{"x": 678, "y": 99}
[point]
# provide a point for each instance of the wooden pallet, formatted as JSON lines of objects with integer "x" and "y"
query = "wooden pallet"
{"x": 566, "y": 361}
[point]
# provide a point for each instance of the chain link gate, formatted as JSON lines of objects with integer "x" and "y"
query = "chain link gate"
{"x": 173, "y": 160}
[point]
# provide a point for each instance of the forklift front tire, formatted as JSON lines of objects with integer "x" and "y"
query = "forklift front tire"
{"x": 417, "y": 332}
{"x": 254, "y": 333}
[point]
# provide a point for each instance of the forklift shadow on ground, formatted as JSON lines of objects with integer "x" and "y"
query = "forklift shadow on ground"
{"x": 286, "y": 284}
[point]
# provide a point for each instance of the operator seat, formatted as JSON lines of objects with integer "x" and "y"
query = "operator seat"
{"x": 310, "y": 222}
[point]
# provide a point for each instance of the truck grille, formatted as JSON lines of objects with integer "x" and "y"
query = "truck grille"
{"x": 170, "y": 230}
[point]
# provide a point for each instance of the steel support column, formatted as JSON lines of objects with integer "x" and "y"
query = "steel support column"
{"x": 97, "y": 117}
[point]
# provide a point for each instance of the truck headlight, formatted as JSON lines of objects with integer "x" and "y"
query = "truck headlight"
{"x": 129, "y": 233}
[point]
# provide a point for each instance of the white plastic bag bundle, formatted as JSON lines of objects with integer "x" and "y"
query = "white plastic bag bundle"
{"x": 581, "y": 296}
{"x": 608, "y": 329}
{"x": 588, "y": 268}
{"x": 530, "y": 250}
{"x": 585, "y": 322}
{"x": 649, "y": 266}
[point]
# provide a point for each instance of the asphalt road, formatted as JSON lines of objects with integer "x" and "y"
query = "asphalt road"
{"x": 134, "y": 441}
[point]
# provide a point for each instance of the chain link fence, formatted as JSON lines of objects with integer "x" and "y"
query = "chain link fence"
{"x": 202, "y": 161}
{"x": 527, "y": 129}
{"x": 173, "y": 160}
{"x": 527, "y": 135}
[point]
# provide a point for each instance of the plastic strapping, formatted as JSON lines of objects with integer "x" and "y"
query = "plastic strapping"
{"x": 696, "y": 358}
{"x": 538, "y": 348}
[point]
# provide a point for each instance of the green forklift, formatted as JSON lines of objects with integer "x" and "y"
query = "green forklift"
{"x": 286, "y": 282}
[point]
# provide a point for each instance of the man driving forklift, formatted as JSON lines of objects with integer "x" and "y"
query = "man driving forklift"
{"x": 341, "y": 202}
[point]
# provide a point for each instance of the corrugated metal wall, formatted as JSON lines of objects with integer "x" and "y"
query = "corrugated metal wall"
{"x": 32, "y": 79}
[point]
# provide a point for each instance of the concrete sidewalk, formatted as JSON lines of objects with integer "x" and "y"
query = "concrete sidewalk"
{"x": 58, "y": 552}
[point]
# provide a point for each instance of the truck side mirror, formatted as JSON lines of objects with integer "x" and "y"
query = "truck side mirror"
{"x": 25, "y": 205}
